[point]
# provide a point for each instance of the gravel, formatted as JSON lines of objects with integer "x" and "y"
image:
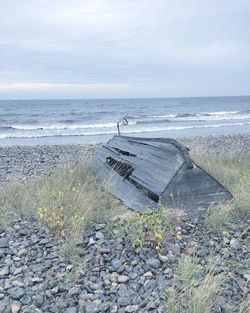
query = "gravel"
{"x": 113, "y": 275}
{"x": 24, "y": 162}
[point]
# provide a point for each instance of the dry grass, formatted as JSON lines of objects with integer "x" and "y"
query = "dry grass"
{"x": 189, "y": 268}
{"x": 198, "y": 295}
{"x": 235, "y": 175}
{"x": 66, "y": 201}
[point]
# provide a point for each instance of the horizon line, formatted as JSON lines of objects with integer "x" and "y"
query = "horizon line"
{"x": 123, "y": 98}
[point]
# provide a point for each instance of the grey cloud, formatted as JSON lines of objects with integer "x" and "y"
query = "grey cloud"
{"x": 171, "y": 47}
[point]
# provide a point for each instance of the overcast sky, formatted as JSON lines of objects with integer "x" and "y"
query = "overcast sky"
{"x": 124, "y": 48}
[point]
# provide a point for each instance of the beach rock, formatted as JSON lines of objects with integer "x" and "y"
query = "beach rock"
{"x": 72, "y": 309}
{"x": 4, "y": 271}
{"x": 116, "y": 275}
{"x": 132, "y": 308}
{"x": 99, "y": 235}
{"x": 15, "y": 307}
{"x": 16, "y": 293}
{"x": 154, "y": 263}
{"x": 116, "y": 264}
{"x": 4, "y": 243}
{"x": 123, "y": 278}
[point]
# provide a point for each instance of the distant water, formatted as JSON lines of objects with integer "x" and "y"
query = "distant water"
{"x": 87, "y": 121}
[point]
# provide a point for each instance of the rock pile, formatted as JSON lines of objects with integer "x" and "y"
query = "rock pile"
{"x": 113, "y": 276}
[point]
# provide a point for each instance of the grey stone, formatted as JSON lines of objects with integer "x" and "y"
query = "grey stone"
{"x": 17, "y": 271}
{"x": 55, "y": 290}
{"x": 4, "y": 243}
{"x": 246, "y": 276}
{"x": 91, "y": 308}
{"x": 123, "y": 278}
{"x": 132, "y": 308}
{"x": 4, "y": 272}
{"x": 133, "y": 276}
{"x": 25, "y": 300}
{"x": 38, "y": 300}
{"x": 124, "y": 301}
{"x": 71, "y": 309}
{"x": 175, "y": 249}
{"x": 114, "y": 308}
{"x": 116, "y": 264}
{"x": 148, "y": 274}
{"x": 22, "y": 252}
{"x": 91, "y": 241}
{"x": 203, "y": 252}
{"x": 122, "y": 291}
{"x": 31, "y": 309}
{"x": 15, "y": 307}
{"x": 16, "y": 293}
{"x": 99, "y": 235}
{"x": 154, "y": 263}
{"x": 2, "y": 253}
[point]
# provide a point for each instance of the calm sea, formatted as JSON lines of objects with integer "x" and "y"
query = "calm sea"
{"x": 34, "y": 122}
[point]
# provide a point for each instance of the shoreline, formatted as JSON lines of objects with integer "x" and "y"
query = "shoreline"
{"x": 116, "y": 264}
{"x": 24, "y": 162}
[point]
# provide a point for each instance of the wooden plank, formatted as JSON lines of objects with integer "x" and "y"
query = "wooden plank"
{"x": 192, "y": 182}
{"x": 153, "y": 168}
{"x": 155, "y": 176}
{"x": 124, "y": 190}
{"x": 170, "y": 158}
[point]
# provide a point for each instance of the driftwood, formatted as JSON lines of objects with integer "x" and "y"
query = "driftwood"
{"x": 144, "y": 172}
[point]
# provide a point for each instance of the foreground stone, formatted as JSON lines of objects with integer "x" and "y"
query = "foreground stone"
{"x": 112, "y": 275}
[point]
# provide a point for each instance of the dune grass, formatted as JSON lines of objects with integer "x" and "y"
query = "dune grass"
{"x": 66, "y": 201}
{"x": 198, "y": 294}
{"x": 234, "y": 174}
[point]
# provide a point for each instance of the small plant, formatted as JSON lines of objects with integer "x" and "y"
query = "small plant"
{"x": 196, "y": 296}
{"x": 149, "y": 228}
{"x": 189, "y": 269}
{"x": 54, "y": 219}
{"x": 217, "y": 216}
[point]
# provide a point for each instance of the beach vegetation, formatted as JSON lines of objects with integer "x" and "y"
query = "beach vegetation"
{"x": 66, "y": 201}
{"x": 149, "y": 228}
{"x": 199, "y": 289}
{"x": 189, "y": 268}
{"x": 233, "y": 173}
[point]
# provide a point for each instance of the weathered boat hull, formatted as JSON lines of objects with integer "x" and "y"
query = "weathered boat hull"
{"x": 144, "y": 172}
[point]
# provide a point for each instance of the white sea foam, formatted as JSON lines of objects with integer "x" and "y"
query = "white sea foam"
{"x": 63, "y": 126}
{"x": 78, "y": 132}
{"x": 203, "y": 116}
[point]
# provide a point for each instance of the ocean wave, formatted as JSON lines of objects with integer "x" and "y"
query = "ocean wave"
{"x": 3, "y": 128}
{"x": 154, "y": 121}
{"x": 62, "y": 126}
{"x": 202, "y": 116}
{"x": 113, "y": 131}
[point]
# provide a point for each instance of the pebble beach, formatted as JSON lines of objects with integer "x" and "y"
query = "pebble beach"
{"x": 24, "y": 162}
{"x": 112, "y": 274}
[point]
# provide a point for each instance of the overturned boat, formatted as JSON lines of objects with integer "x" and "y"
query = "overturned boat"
{"x": 146, "y": 172}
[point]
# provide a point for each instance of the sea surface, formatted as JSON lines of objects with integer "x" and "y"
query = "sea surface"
{"x": 32, "y": 122}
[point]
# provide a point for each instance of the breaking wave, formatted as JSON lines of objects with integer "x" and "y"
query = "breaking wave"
{"x": 84, "y": 132}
